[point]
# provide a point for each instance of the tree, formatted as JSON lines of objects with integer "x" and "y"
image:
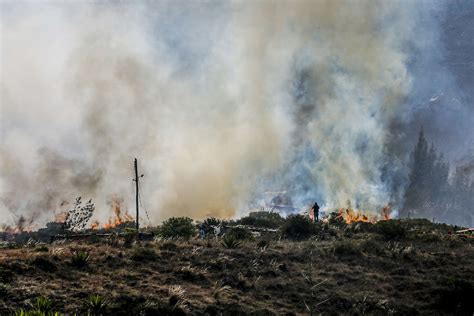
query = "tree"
{"x": 417, "y": 193}
{"x": 428, "y": 181}
{"x": 77, "y": 218}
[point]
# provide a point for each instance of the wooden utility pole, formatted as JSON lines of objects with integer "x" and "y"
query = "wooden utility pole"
{"x": 136, "y": 191}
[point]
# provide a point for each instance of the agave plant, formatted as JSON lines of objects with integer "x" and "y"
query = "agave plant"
{"x": 43, "y": 305}
{"x": 97, "y": 305}
{"x": 80, "y": 258}
{"x": 229, "y": 241}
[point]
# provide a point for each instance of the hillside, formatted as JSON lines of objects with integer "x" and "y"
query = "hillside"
{"x": 354, "y": 270}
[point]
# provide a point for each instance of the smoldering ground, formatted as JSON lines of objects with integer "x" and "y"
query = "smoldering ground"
{"x": 219, "y": 101}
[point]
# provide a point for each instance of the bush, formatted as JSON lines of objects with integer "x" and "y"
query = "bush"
{"x": 177, "y": 227}
{"x": 262, "y": 219}
{"x": 298, "y": 227}
{"x": 391, "y": 229}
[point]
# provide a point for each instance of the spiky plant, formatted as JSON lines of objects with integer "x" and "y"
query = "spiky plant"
{"x": 97, "y": 305}
{"x": 21, "y": 312}
{"x": 229, "y": 241}
{"x": 80, "y": 258}
{"x": 220, "y": 288}
{"x": 43, "y": 305}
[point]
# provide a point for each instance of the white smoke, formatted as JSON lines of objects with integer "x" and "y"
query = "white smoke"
{"x": 214, "y": 99}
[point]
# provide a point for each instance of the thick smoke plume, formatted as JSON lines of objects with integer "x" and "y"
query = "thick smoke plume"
{"x": 218, "y": 101}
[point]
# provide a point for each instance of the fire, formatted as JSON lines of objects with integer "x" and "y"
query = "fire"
{"x": 95, "y": 224}
{"x": 22, "y": 225}
{"x": 118, "y": 218}
{"x": 349, "y": 215}
{"x": 386, "y": 211}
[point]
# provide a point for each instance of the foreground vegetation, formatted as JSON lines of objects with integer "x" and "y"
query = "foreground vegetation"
{"x": 394, "y": 267}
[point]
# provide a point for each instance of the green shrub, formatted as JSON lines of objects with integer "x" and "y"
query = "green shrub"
{"x": 262, "y": 219}
{"x": 177, "y": 227}
{"x": 391, "y": 229}
{"x": 80, "y": 258}
{"x": 298, "y": 227}
{"x": 97, "y": 305}
{"x": 229, "y": 241}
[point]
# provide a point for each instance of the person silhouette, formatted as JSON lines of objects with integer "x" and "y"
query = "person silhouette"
{"x": 315, "y": 210}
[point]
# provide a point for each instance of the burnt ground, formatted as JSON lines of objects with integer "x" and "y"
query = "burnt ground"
{"x": 355, "y": 273}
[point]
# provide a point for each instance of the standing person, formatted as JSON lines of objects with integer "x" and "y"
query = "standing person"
{"x": 315, "y": 211}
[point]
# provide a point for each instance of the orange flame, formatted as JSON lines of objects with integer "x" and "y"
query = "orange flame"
{"x": 349, "y": 215}
{"x": 95, "y": 225}
{"x": 22, "y": 225}
{"x": 118, "y": 218}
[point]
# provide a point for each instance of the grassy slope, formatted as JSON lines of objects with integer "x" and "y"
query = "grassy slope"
{"x": 426, "y": 273}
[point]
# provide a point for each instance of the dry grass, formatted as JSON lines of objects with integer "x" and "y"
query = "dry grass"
{"x": 363, "y": 275}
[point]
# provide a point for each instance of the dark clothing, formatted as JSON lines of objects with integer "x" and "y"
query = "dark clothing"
{"x": 316, "y": 211}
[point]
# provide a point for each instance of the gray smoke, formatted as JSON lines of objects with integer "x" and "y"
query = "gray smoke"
{"x": 218, "y": 101}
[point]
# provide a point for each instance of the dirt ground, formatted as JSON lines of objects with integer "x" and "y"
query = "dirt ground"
{"x": 427, "y": 273}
